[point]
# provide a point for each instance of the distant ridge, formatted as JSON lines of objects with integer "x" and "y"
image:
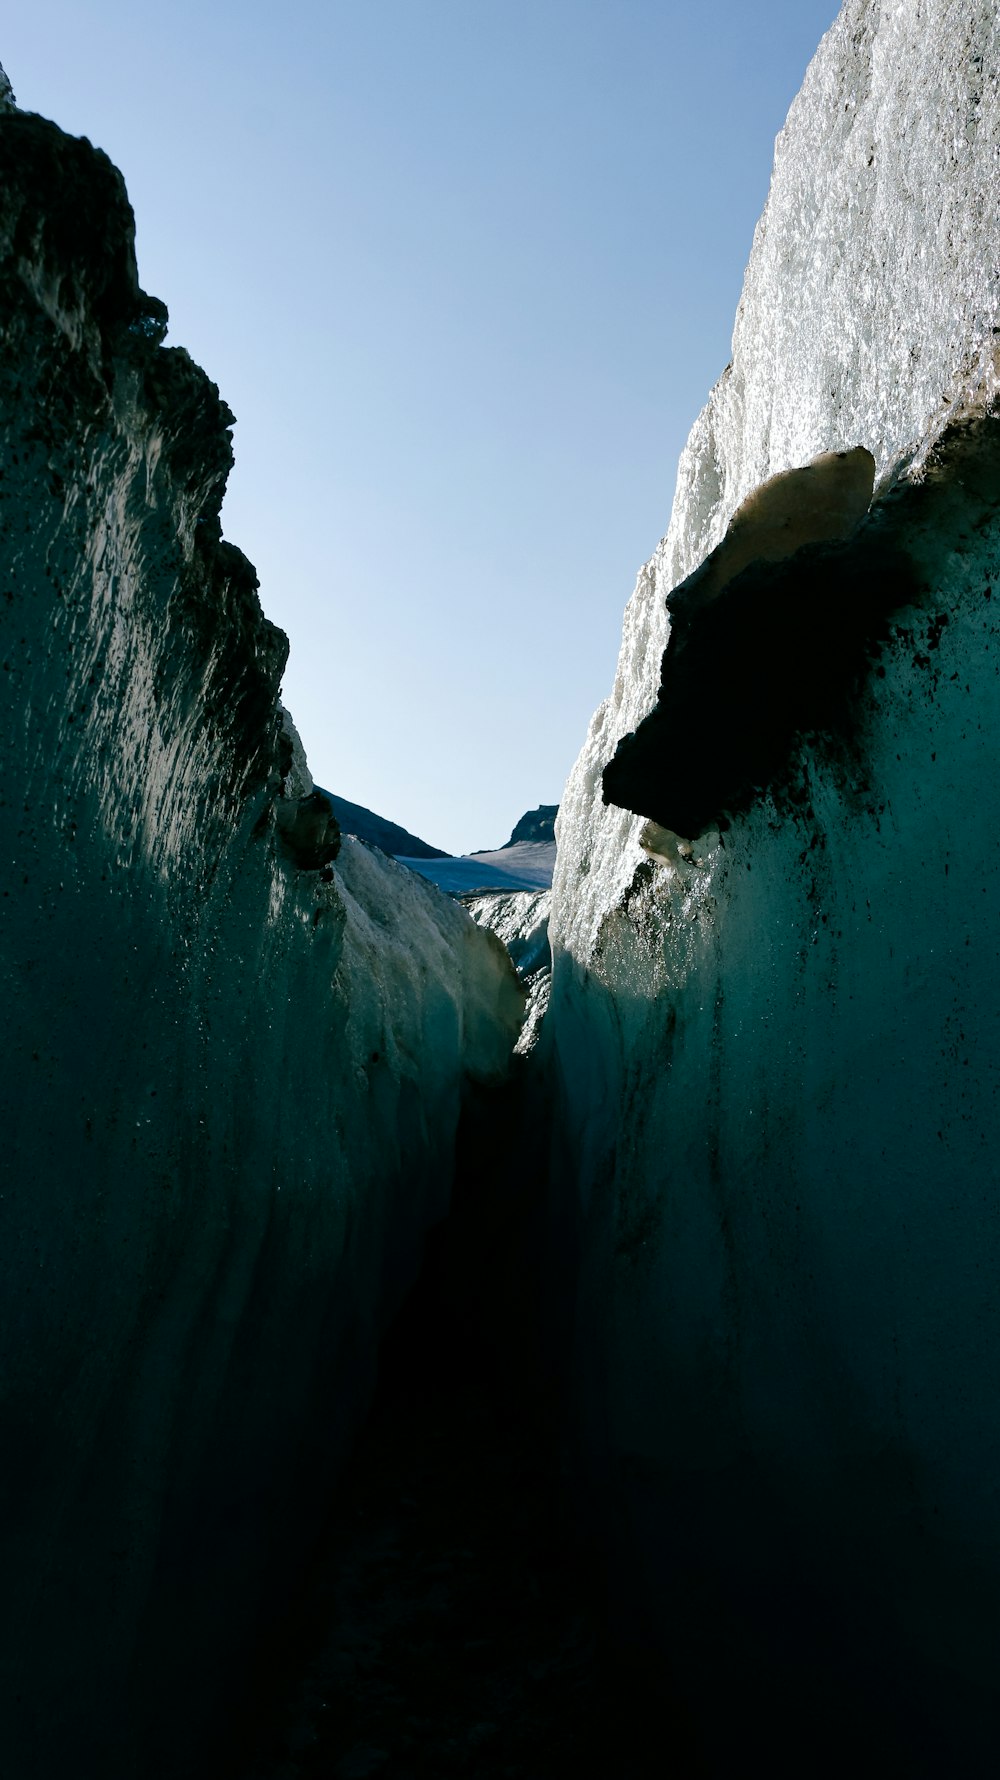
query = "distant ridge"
{"x": 536, "y": 825}
{"x": 389, "y": 836}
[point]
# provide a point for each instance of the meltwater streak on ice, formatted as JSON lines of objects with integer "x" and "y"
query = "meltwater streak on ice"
{"x": 867, "y": 317}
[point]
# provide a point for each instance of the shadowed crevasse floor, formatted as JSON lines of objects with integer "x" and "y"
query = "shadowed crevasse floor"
{"x": 452, "y": 1622}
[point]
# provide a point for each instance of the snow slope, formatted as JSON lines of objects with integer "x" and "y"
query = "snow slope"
{"x": 526, "y": 865}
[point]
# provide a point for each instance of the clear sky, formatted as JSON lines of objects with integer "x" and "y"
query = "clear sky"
{"x": 465, "y": 271}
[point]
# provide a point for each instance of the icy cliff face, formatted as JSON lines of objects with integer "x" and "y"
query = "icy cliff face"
{"x": 520, "y": 918}
{"x": 232, "y": 1078}
{"x": 774, "y": 1055}
{"x": 389, "y": 837}
{"x": 868, "y": 318}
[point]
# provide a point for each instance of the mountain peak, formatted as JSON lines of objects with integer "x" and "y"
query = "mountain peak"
{"x": 535, "y": 825}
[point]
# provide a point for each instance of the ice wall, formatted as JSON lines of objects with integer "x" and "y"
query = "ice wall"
{"x": 231, "y": 1084}
{"x": 868, "y": 317}
{"x": 775, "y": 1062}
{"x": 520, "y": 918}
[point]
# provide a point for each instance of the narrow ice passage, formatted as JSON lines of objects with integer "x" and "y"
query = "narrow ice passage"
{"x": 693, "y": 1416}
{"x": 453, "y": 1621}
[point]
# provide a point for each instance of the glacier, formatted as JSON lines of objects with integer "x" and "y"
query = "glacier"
{"x": 716, "y": 1113}
{"x": 524, "y": 863}
{"x": 868, "y": 317}
{"x": 520, "y": 919}
{"x": 771, "y": 1050}
{"x": 236, "y": 1046}
{"x": 526, "y": 866}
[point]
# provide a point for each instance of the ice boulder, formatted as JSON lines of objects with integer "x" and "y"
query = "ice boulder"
{"x": 820, "y": 501}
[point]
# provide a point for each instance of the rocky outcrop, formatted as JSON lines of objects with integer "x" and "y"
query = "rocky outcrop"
{"x": 379, "y": 832}
{"x": 349, "y": 818}
{"x": 535, "y": 825}
{"x": 771, "y": 1044}
{"x": 234, "y": 1055}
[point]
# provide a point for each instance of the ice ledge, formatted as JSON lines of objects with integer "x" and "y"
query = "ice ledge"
{"x": 786, "y": 648}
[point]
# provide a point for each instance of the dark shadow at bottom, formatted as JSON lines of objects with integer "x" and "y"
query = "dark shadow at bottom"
{"x": 453, "y": 1623}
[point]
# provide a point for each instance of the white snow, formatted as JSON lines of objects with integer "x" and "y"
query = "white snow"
{"x": 527, "y": 866}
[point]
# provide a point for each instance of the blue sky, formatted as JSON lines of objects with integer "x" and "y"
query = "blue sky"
{"x": 465, "y": 272}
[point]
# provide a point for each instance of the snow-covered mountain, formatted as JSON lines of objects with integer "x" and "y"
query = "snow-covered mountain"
{"x": 524, "y": 863}
{"x": 527, "y": 866}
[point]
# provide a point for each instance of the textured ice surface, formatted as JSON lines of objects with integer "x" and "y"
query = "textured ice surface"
{"x": 298, "y": 780}
{"x": 775, "y": 1063}
{"x": 867, "y": 317}
{"x": 777, "y": 1088}
{"x": 231, "y": 1086}
{"x": 521, "y": 920}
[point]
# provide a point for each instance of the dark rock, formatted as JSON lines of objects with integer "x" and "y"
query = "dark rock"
{"x": 379, "y": 832}
{"x": 536, "y": 825}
